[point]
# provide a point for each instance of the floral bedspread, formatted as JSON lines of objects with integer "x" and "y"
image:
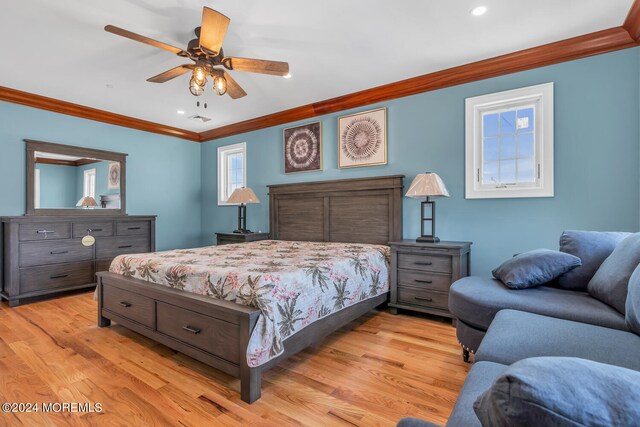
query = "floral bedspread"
{"x": 292, "y": 283}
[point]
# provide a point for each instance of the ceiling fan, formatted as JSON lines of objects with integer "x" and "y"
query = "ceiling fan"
{"x": 208, "y": 57}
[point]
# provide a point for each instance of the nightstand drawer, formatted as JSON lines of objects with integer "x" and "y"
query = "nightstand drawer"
{"x": 437, "y": 282}
{"x": 435, "y": 263}
{"x": 423, "y": 297}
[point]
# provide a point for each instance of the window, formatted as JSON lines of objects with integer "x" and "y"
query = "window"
{"x": 231, "y": 170}
{"x": 89, "y": 186}
{"x": 509, "y": 144}
{"x": 36, "y": 196}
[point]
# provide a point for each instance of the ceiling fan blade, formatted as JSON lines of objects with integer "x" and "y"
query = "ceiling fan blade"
{"x": 275, "y": 68}
{"x": 233, "y": 88}
{"x": 171, "y": 74}
{"x": 142, "y": 39}
{"x": 212, "y": 31}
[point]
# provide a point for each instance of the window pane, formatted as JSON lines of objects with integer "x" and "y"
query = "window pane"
{"x": 507, "y": 147}
{"x": 508, "y": 122}
{"x": 490, "y": 173}
{"x": 525, "y": 145}
{"x": 490, "y": 124}
{"x": 525, "y": 120}
{"x": 507, "y": 171}
{"x": 526, "y": 170}
{"x": 491, "y": 149}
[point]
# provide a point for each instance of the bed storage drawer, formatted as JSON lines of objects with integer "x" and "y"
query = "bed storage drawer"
{"x": 112, "y": 247}
{"x": 56, "y": 276}
{"x": 133, "y": 228}
{"x": 45, "y": 231}
{"x": 53, "y": 252}
{"x": 130, "y": 305}
{"x": 435, "y": 263}
{"x": 96, "y": 229}
{"x": 204, "y": 332}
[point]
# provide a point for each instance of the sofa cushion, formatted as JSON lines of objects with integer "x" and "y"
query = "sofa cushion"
{"x": 632, "y": 315}
{"x": 592, "y": 247}
{"x": 561, "y": 391}
{"x": 610, "y": 283}
{"x": 516, "y": 335}
{"x": 478, "y": 380}
{"x": 534, "y": 268}
{"x": 476, "y": 300}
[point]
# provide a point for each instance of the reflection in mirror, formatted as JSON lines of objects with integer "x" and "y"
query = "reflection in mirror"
{"x": 69, "y": 182}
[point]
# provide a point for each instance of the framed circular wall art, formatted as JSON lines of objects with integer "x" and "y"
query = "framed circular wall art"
{"x": 303, "y": 148}
{"x": 362, "y": 139}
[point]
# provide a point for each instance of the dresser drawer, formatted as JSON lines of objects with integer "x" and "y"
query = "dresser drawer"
{"x": 130, "y": 305}
{"x": 56, "y": 276}
{"x": 96, "y": 229}
{"x": 437, "y": 282}
{"x": 53, "y": 252}
{"x": 45, "y": 231}
{"x": 110, "y": 247}
{"x": 423, "y": 297}
{"x": 133, "y": 228}
{"x": 435, "y": 263}
{"x": 204, "y": 332}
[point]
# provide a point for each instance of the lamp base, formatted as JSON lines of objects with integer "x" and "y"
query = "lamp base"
{"x": 427, "y": 239}
{"x": 242, "y": 231}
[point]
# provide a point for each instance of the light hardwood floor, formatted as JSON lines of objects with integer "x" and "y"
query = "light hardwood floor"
{"x": 386, "y": 368}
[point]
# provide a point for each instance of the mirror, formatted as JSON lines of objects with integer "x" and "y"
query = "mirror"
{"x": 74, "y": 180}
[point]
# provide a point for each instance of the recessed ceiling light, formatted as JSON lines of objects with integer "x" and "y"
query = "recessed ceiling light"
{"x": 180, "y": 112}
{"x": 479, "y": 11}
{"x": 287, "y": 76}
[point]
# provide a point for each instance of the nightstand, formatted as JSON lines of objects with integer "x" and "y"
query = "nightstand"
{"x": 421, "y": 274}
{"x": 230, "y": 238}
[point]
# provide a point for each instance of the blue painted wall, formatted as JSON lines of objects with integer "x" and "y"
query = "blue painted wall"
{"x": 597, "y": 158}
{"x": 57, "y": 186}
{"x": 163, "y": 173}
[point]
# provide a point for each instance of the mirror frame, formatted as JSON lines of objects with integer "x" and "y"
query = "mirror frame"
{"x": 48, "y": 147}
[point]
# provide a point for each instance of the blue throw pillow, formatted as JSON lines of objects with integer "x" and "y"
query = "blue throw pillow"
{"x": 610, "y": 283}
{"x": 534, "y": 268}
{"x": 632, "y": 315}
{"x": 561, "y": 391}
{"x": 592, "y": 247}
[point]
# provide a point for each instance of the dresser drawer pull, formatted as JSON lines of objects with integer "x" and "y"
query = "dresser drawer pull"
{"x": 423, "y": 299}
{"x": 125, "y": 304}
{"x": 59, "y": 252}
{"x": 45, "y": 232}
{"x": 190, "y": 329}
{"x": 423, "y": 281}
{"x": 133, "y": 228}
{"x": 93, "y": 229}
{"x": 125, "y": 246}
{"x": 424, "y": 263}
{"x": 59, "y": 276}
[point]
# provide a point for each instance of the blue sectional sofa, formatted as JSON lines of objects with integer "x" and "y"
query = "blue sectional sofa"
{"x": 503, "y": 326}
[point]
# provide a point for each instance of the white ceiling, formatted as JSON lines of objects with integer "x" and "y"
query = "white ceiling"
{"x": 334, "y": 47}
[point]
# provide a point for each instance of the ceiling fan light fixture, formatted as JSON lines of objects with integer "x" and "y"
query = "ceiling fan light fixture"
{"x": 200, "y": 75}
{"x": 219, "y": 85}
{"x": 195, "y": 88}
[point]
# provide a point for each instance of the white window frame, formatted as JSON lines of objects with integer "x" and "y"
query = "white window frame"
{"x": 36, "y": 202}
{"x": 541, "y": 97}
{"x": 89, "y": 183}
{"x": 223, "y": 170}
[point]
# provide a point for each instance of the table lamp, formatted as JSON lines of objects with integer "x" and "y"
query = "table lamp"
{"x": 243, "y": 196}
{"x": 427, "y": 185}
{"x": 87, "y": 202}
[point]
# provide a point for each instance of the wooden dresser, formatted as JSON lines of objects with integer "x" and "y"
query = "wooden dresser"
{"x": 44, "y": 255}
{"x": 421, "y": 274}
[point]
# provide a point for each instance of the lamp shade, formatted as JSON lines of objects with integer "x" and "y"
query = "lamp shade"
{"x": 87, "y": 202}
{"x": 243, "y": 195}
{"x": 427, "y": 184}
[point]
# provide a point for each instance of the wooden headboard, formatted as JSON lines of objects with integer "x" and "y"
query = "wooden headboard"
{"x": 360, "y": 210}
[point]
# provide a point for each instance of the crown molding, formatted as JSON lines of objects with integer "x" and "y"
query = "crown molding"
{"x": 613, "y": 39}
{"x": 632, "y": 23}
{"x": 565, "y": 50}
{"x": 68, "y": 108}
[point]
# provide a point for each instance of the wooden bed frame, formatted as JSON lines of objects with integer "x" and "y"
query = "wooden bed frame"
{"x": 363, "y": 210}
